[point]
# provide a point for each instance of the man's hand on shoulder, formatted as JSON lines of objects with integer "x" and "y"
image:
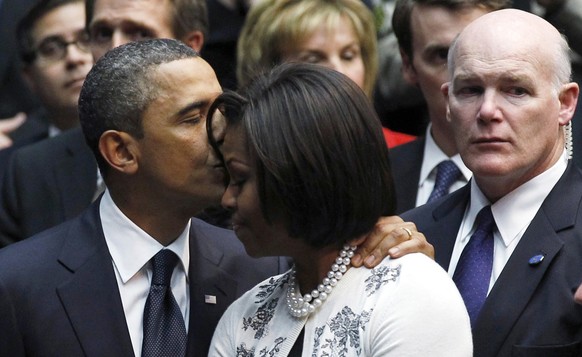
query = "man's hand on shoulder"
{"x": 391, "y": 237}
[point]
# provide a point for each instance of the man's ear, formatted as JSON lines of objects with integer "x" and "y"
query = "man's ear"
{"x": 408, "y": 71}
{"x": 568, "y": 100}
{"x": 445, "y": 88}
{"x": 120, "y": 150}
{"x": 194, "y": 39}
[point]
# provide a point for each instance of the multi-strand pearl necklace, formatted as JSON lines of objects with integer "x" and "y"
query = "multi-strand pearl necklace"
{"x": 301, "y": 306}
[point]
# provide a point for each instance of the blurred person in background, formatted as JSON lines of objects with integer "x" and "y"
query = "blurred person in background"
{"x": 337, "y": 34}
{"x": 16, "y": 100}
{"x": 54, "y": 50}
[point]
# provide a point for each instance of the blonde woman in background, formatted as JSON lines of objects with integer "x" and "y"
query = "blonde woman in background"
{"x": 339, "y": 34}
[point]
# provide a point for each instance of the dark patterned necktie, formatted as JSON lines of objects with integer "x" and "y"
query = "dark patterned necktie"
{"x": 473, "y": 271}
{"x": 447, "y": 174}
{"x": 164, "y": 332}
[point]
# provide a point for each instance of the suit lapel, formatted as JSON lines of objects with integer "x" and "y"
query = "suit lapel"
{"x": 204, "y": 316}
{"x": 443, "y": 231}
{"x": 506, "y": 302}
{"x": 91, "y": 297}
{"x": 212, "y": 290}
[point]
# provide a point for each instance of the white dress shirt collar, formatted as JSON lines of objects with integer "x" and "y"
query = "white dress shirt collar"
{"x": 513, "y": 214}
{"x": 433, "y": 155}
{"x": 125, "y": 239}
{"x": 514, "y": 211}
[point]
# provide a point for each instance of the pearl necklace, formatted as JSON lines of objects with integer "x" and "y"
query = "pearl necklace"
{"x": 301, "y": 306}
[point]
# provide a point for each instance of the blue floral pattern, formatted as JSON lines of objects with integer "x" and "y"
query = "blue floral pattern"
{"x": 241, "y": 351}
{"x": 345, "y": 327}
{"x": 266, "y": 290}
{"x": 259, "y": 322}
{"x": 381, "y": 276}
{"x": 339, "y": 336}
{"x": 318, "y": 333}
{"x": 274, "y": 351}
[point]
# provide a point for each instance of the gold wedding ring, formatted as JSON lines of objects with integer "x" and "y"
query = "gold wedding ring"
{"x": 409, "y": 232}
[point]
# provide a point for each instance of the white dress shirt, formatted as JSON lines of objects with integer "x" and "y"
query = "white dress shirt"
{"x": 512, "y": 213}
{"x": 433, "y": 156}
{"x": 131, "y": 249}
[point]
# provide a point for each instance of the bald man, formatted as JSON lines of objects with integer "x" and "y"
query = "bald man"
{"x": 509, "y": 98}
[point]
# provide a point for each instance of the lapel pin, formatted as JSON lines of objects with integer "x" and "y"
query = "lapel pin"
{"x": 210, "y": 299}
{"x": 536, "y": 259}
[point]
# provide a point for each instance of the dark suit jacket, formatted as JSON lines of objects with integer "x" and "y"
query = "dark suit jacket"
{"x": 59, "y": 295}
{"x": 406, "y": 162}
{"x": 34, "y": 129}
{"x": 45, "y": 184}
{"x": 530, "y": 310}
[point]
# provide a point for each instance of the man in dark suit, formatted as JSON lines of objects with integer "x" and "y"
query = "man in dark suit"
{"x": 55, "y": 56}
{"x": 65, "y": 292}
{"x": 81, "y": 288}
{"x": 509, "y": 99}
{"x": 425, "y": 30}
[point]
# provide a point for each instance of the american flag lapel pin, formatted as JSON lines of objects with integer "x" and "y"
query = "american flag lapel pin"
{"x": 210, "y": 299}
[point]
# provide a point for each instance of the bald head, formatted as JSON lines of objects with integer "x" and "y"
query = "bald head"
{"x": 512, "y": 24}
{"x": 516, "y": 34}
{"x": 509, "y": 87}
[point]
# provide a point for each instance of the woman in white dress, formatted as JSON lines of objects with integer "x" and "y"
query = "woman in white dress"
{"x": 309, "y": 176}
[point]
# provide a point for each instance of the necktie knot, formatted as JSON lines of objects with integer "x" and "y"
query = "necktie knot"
{"x": 485, "y": 222}
{"x": 447, "y": 174}
{"x": 163, "y": 264}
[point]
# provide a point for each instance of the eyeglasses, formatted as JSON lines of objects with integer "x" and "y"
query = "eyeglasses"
{"x": 53, "y": 49}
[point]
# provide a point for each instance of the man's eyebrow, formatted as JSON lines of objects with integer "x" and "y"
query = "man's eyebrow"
{"x": 56, "y": 37}
{"x": 95, "y": 22}
{"x": 60, "y": 36}
{"x": 100, "y": 22}
{"x": 192, "y": 106}
{"x": 463, "y": 77}
{"x": 436, "y": 47}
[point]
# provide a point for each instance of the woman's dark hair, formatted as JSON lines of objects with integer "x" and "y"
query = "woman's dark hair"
{"x": 321, "y": 158}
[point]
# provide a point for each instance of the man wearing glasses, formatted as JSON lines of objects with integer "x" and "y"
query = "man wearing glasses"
{"x": 54, "y": 49}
